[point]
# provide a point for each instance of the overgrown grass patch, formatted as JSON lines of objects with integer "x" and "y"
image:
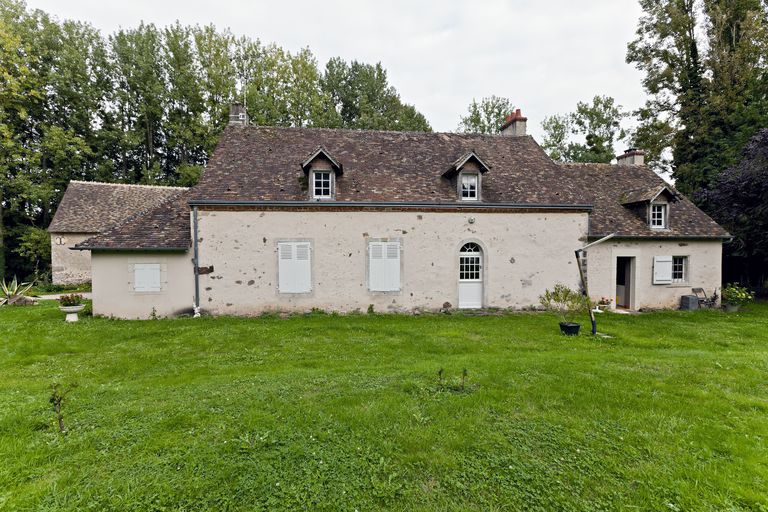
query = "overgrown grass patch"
{"x": 328, "y": 412}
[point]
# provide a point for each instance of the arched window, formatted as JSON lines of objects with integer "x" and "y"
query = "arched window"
{"x": 471, "y": 247}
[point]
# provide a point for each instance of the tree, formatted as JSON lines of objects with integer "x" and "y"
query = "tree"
{"x": 738, "y": 200}
{"x": 704, "y": 69}
{"x": 362, "y": 98}
{"x": 588, "y": 134}
{"x": 487, "y": 116}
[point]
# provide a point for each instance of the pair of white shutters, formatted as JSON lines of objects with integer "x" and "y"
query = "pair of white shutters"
{"x": 294, "y": 267}
{"x": 384, "y": 266}
{"x": 662, "y": 270}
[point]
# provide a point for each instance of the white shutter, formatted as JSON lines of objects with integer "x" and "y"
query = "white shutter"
{"x": 294, "y": 267}
{"x": 146, "y": 277}
{"x": 662, "y": 269}
{"x": 384, "y": 266}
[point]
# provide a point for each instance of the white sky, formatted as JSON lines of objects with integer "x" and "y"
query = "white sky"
{"x": 544, "y": 55}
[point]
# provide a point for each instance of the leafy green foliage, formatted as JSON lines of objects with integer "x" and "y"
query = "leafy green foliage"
{"x": 564, "y": 302}
{"x": 704, "y": 69}
{"x": 737, "y": 199}
{"x": 325, "y": 412}
{"x": 737, "y": 295}
{"x": 147, "y": 105}
{"x": 487, "y": 116}
{"x": 588, "y": 134}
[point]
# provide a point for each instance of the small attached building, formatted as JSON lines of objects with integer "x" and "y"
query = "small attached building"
{"x": 88, "y": 208}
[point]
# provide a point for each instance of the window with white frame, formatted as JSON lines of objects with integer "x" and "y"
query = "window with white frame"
{"x": 658, "y": 216}
{"x": 470, "y": 187}
{"x": 679, "y": 269}
{"x": 147, "y": 277}
{"x": 384, "y": 266}
{"x": 322, "y": 184}
{"x": 294, "y": 267}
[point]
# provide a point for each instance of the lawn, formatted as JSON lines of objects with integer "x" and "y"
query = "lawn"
{"x": 325, "y": 412}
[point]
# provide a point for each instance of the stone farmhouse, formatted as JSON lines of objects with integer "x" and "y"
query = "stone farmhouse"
{"x": 290, "y": 219}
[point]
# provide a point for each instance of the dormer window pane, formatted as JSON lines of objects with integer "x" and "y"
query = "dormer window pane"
{"x": 321, "y": 185}
{"x": 658, "y": 216}
{"x": 469, "y": 187}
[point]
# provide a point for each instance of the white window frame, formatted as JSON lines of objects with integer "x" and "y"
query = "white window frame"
{"x": 331, "y": 184}
{"x": 139, "y": 285}
{"x": 284, "y": 285}
{"x": 476, "y": 176}
{"x": 680, "y": 265}
{"x": 393, "y": 261}
{"x": 653, "y": 218}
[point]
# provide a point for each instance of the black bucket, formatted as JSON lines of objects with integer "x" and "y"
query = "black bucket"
{"x": 569, "y": 328}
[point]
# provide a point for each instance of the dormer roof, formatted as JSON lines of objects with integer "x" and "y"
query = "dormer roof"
{"x": 320, "y": 151}
{"x": 647, "y": 194}
{"x": 470, "y": 156}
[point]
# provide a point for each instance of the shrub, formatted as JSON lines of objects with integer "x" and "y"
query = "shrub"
{"x": 73, "y": 299}
{"x": 737, "y": 295}
{"x": 14, "y": 292}
{"x": 564, "y": 302}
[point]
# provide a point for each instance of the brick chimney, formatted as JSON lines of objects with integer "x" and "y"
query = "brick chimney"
{"x": 514, "y": 124}
{"x": 237, "y": 115}
{"x": 631, "y": 156}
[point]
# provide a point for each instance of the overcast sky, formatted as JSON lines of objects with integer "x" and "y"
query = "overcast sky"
{"x": 544, "y": 55}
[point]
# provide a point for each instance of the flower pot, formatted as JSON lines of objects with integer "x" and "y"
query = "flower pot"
{"x": 731, "y": 308}
{"x": 570, "y": 328}
{"x": 72, "y": 312}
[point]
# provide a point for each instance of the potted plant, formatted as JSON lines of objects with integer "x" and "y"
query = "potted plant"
{"x": 566, "y": 303}
{"x": 735, "y": 296}
{"x": 71, "y": 304}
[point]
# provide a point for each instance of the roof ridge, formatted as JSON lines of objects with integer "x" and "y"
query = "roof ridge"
{"x": 371, "y": 130}
{"x": 128, "y": 185}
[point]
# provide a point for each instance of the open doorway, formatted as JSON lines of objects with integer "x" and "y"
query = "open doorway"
{"x": 624, "y": 267}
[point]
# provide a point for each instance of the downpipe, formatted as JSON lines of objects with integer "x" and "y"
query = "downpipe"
{"x": 196, "y": 264}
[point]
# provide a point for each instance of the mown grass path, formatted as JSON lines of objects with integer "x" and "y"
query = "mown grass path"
{"x": 326, "y": 412}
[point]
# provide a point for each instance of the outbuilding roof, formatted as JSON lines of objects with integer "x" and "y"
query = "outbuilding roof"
{"x": 162, "y": 227}
{"x": 92, "y": 207}
{"x": 607, "y": 186}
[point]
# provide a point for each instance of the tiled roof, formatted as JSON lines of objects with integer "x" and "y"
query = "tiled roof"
{"x": 607, "y": 186}
{"x": 264, "y": 164}
{"x": 164, "y": 227}
{"x": 92, "y": 207}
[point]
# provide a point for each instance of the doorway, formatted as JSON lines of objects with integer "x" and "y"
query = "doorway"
{"x": 470, "y": 276}
{"x": 624, "y": 267}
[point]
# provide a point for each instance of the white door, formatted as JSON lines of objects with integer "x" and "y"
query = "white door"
{"x": 470, "y": 277}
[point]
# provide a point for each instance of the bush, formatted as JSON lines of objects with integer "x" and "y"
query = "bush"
{"x": 564, "y": 302}
{"x": 737, "y": 295}
{"x": 73, "y": 299}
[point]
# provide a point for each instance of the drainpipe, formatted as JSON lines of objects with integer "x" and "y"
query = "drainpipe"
{"x": 579, "y": 253}
{"x": 196, "y": 262}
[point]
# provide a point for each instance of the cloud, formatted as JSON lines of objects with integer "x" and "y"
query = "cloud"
{"x": 545, "y": 56}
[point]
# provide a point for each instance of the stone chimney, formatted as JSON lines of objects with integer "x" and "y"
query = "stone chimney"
{"x": 631, "y": 156}
{"x": 237, "y": 115}
{"x": 514, "y": 124}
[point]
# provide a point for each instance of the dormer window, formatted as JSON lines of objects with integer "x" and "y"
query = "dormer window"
{"x": 470, "y": 186}
{"x": 466, "y": 173}
{"x": 321, "y": 169}
{"x": 658, "y": 216}
{"x": 322, "y": 184}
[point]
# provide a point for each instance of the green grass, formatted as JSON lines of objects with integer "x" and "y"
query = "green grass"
{"x": 326, "y": 412}
{"x": 48, "y": 289}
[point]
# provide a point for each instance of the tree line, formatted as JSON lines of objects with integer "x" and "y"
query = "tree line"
{"x": 146, "y": 105}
